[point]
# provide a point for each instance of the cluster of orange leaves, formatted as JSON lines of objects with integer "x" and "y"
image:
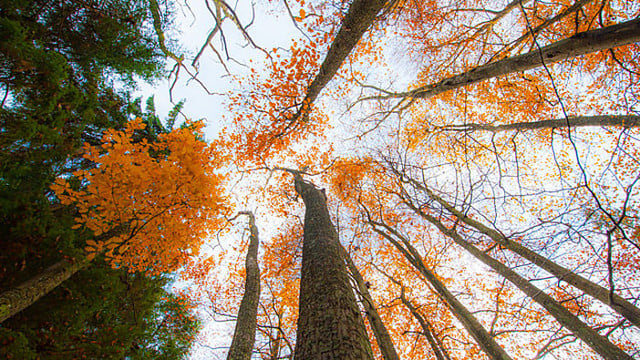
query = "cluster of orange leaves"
{"x": 264, "y": 115}
{"x": 150, "y": 205}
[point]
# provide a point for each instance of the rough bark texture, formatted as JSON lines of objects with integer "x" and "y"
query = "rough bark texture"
{"x": 439, "y": 351}
{"x": 614, "y": 301}
{"x": 626, "y": 121}
{"x": 383, "y": 338}
{"x": 360, "y": 16}
{"x": 244, "y": 335}
{"x": 17, "y": 299}
{"x": 597, "y": 342}
{"x": 577, "y": 6}
{"x": 579, "y": 44}
{"x": 329, "y": 321}
{"x": 21, "y": 297}
{"x": 470, "y": 323}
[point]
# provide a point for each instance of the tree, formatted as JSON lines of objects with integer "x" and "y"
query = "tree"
{"x": 380, "y": 332}
{"x": 501, "y": 203}
{"x": 103, "y": 313}
{"x": 245, "y": 332}
{"x": 486, "y": 76}
{"x": 60, "y": 62}
{"x": 329, "y": 325}
{"x": 149, "y": 206}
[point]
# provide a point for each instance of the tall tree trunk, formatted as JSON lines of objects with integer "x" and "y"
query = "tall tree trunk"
{"x": 244, "y": 335}
{"x": 21, "y": 297}
{"x": 383, "y": 338}
{"x": 360, "y": 16}
{"x": 626, "y": 121}
{"x": 329, "y": 323}
{"x": 597, "y": 342}
{"x": 616, "y": 302}
{"x": 580, "y": 44}
{"x": 427, "y": 330}
{"x": 470, "y": 323}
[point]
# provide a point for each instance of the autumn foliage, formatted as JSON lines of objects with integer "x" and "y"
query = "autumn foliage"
{"x": 155, "y": 201}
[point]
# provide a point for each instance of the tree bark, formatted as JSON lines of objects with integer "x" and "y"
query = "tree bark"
{"x": 616, "y": 302}
{"x": 24, "y": 295}
{"x": 427, "y": 330}
{"x": 383, "y": 338}
{"x": 21, "y": 297}
{"x": 597, "y": 342}
{"x": 625, "y": 121}
{"x": 329, "y": 323}
{"x": 360, "y": 16}
{"x": 470, "y": 323}
{"x": 580, "y": 44}
{"x": 244, "y": 335}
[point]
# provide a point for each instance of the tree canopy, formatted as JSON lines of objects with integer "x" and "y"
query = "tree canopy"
{"x": 467, "y": 173}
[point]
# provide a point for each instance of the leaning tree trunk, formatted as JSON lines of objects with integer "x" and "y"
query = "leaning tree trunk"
{"x": 358, "y": 19}
{"x": 579, "y": 44}
{"x": 329, "y": 323}
{"x": 21, "y": 297}
{"x": 244, "y": 335}
{"x": 568, "y": 320}
{"x": 24, "y": 295}
{"x": 427, "y": 330}
{"x": 486, "y": 342}
{"x": 383, "y": 338}
{"x": 626, "y": 121}
{"x": 614, "y": 301}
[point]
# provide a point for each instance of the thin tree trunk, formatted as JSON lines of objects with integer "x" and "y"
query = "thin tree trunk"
{"x": 616, "y": 302}
{"x": 21, "y": 297}
{"x": 427, "y": 330}
{"x": 244, "y": 335}
{"x": 470, "y": 323}
{"x": 597, "y": 342}
{"x": 383, "y": 338}
{"x": 329, "y": 323}
{"x": 626, "y": 121}
{"x": 580, "y": 44}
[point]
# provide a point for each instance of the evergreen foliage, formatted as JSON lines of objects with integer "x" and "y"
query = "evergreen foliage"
{"x": 102, "y": 313}
{"x": 65, "y": 70}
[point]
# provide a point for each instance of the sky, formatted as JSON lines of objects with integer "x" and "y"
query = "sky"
{"x": 190, "y": 31}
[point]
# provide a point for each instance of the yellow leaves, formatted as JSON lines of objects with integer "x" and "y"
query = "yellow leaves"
{"x": 149, "y": 211}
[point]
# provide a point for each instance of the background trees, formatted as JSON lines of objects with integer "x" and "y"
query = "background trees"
{"x": 435, "y": 113}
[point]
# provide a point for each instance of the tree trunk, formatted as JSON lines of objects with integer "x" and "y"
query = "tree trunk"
{"x": 360, "y": 16}
{"x": 597, "y": 342}
{"x": 626, "y": 121}
{"x": 383, "y": 338}
{"x": 470, "y": 323}
{"x": 244, "y": 335}
{"x": 427, "y": 330}
{"x": 329, "y": 321}
{"x": 580, "y": 44}
{"x": 616, "y": 302}
{"x": 21, "y": 297}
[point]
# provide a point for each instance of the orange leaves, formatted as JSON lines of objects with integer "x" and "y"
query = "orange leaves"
{"x": 150, "y": 205}
{"x": 266, "y": 116}
{"x": 347, "y": 175}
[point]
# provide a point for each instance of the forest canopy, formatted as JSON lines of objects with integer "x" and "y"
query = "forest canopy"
{"x": 382, "y": 179}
